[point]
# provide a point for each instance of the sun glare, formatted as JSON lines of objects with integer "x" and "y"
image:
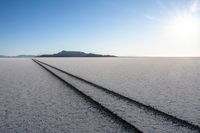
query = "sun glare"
{"x": 184, "y": 27}
{"x": 185, "y": 23}
{"x": 181, "y": 30}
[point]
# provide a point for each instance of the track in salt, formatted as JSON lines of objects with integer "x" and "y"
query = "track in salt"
{"x": 141, "y": 116}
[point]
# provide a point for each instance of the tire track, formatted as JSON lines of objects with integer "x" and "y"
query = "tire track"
{"x": 115, "y": 116}
{"x": 160, "y": 119}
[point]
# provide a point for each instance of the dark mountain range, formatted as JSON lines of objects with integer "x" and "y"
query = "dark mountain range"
{"x": 18, "y": 56}
{"x": 74, "y": 54}
{"x": 2, "y": 56}
{"x": 61, "y": 54}
{"x": 22, "y": 56}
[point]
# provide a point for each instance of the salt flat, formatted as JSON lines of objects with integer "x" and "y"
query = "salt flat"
{"x": 142, "y": 117}
{"x": 33, "y": 100}
{"x": 168, "y": 84}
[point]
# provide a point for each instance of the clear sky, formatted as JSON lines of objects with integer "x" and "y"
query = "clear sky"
{"x": 119, "y": 27}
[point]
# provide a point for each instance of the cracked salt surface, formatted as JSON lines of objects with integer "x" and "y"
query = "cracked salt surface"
{"x": 168, "y": 84}
{"x": 142, "y": 118}
{"x": 32, "y": 100}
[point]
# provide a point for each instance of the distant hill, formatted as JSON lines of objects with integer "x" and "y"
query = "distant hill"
{"x": 61, "y": 54}
{"x": 26, "y": 56}
{"x": 19, "y": 56}
{"x": 2, "y": 56}
{"x": 74, "y": 54}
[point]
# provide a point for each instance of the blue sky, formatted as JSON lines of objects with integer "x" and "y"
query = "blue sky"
{"x": 120, "y": 27}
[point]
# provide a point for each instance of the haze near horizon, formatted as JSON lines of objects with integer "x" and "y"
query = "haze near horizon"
{"x": 116, "y": 27}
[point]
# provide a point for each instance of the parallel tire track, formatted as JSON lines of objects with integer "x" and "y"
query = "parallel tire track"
{"x": 147, "y": 107}
{"x": 115, "y": 116}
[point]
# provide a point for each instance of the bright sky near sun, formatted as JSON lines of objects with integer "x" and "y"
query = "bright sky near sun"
{"x": 119, "y": 27}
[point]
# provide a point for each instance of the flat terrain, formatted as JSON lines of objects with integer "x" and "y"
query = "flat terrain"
{"x": 89, "y": 95}
{"x": 33, "y": 100}
{"x": 167, "y": 84}
{"x": 143, "y": 117}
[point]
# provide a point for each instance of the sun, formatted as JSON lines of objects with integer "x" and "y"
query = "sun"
{"x": 184, "y": 26}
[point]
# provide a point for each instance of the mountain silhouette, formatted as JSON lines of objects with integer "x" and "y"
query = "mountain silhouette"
{"x": 74, "y": 54}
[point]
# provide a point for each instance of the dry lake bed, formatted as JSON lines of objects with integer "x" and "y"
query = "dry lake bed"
{"x": 105, "y": 95}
